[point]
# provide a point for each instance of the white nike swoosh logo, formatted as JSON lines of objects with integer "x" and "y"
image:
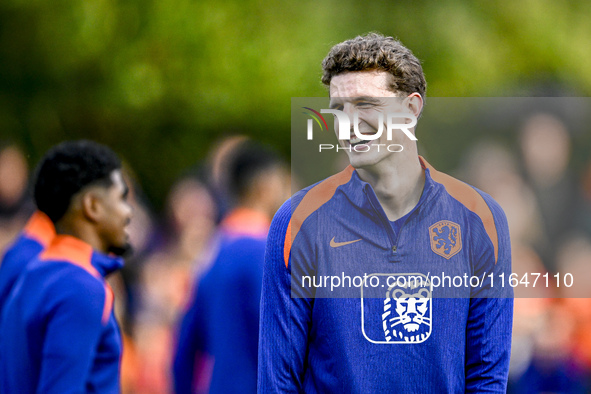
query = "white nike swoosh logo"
{"x": 337, "y": 244}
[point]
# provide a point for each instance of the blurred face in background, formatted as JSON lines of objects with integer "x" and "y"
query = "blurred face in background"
{"x": 192, "y": 214}
{"x": 13, "y": 177}
{"x": 545, "y": 144}
{"x": 276, "y": 188}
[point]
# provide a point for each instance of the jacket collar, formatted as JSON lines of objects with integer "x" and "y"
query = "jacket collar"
{"x": 40, "y": 228}
{"x": 78, "y": 252}
{"x": 246, "y": 222}
{"x": 361, "y": 193}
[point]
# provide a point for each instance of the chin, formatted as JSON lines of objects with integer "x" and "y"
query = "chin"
{"x": 361, "y": 160}
{"x": 125, "y": 250}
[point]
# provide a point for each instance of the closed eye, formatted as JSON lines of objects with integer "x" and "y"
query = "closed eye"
{"x": 367, "y": 101}
{"x": 125, "y": 193}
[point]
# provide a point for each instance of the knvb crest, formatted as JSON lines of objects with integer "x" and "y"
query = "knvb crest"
{"x": 446, "y": 238}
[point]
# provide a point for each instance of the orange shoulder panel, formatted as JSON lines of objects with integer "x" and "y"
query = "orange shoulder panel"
{"x": 78, "y": 252}
{"x": 470, "y": 198}
{"x": 72, "y": 250}
{"x": 41, "y": 228}
{"x": 314, "y": 199}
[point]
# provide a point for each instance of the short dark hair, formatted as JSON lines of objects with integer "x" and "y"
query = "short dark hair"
{"x": 250, "y": 160}
{"x": 377, "y": 52}
{"x": 66, "y": 169}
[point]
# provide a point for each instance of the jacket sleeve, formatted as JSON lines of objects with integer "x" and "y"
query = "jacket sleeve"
{"x": 489, "y": 326}
{"x": 284, "y": 321}
{"x": 74, "y": 326}
{"x": 13, "y": 264}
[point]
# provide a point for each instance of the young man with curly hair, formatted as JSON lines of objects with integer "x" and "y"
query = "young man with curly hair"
{"x": 389, "y": 214}
{"x": 59, "y": 332}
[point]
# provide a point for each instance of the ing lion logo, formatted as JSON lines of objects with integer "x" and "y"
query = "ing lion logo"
{"x": 407, "y": 316}
{"x": 446, "y": 238}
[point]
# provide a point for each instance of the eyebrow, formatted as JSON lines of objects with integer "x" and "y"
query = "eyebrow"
{"x": 367, "y": 98}
{"x": 373, "y": 100}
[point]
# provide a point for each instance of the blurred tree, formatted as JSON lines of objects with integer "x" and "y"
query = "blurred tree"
{"x": 160, "y": 81}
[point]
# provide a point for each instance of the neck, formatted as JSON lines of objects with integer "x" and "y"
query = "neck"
{"x": 81, "y": 231}
{"x": 398, "y": 183}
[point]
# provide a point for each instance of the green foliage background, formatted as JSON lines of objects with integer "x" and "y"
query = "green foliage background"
{"x": 160, "y": 81}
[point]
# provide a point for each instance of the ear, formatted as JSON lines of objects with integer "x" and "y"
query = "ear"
{"x": 91, "y": 205}
{"x": 415, "y": 103}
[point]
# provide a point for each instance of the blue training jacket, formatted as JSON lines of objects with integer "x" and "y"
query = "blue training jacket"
{"x": 222, "y": 320}
{"x": 59, "y": 333}
{"x": 35, "y": 237}
{"x": 398, "y": 337}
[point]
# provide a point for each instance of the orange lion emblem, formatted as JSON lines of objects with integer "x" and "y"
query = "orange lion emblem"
{"x": 446, "y": 238}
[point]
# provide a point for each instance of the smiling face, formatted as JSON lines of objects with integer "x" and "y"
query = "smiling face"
{"x": 367, "y": 93}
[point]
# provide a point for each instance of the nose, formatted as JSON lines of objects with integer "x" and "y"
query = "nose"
{"x": 349, "y": 109}
{"x": 129, "y": 213}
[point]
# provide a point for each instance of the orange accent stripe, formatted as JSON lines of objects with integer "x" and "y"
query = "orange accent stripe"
{"x": 109, "y": 299}
{"x": 287, "y": 244}
{"x": 73, "y": 250}
{"x": 314, "y": 199}
{"x": 468, "y": 197}
{"x": 40, "y": 228}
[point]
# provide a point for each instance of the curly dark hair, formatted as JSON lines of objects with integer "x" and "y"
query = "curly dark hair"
{"x": 377, "y": 52}
{"x": 66, "y": 169}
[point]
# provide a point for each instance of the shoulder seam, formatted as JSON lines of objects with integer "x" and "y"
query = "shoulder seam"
{"x": 312, "y": 201}
{"x": 472, "y": 200}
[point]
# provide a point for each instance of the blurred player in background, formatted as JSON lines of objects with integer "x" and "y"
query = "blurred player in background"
{"x": 166, "y": 279}
{"x": 223, "y": 318}
{"x": 389, "y": 213}
{"x": 59, "y": 332}
{"x": 37, "y": 234}
{"x": 15, "y": 203}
